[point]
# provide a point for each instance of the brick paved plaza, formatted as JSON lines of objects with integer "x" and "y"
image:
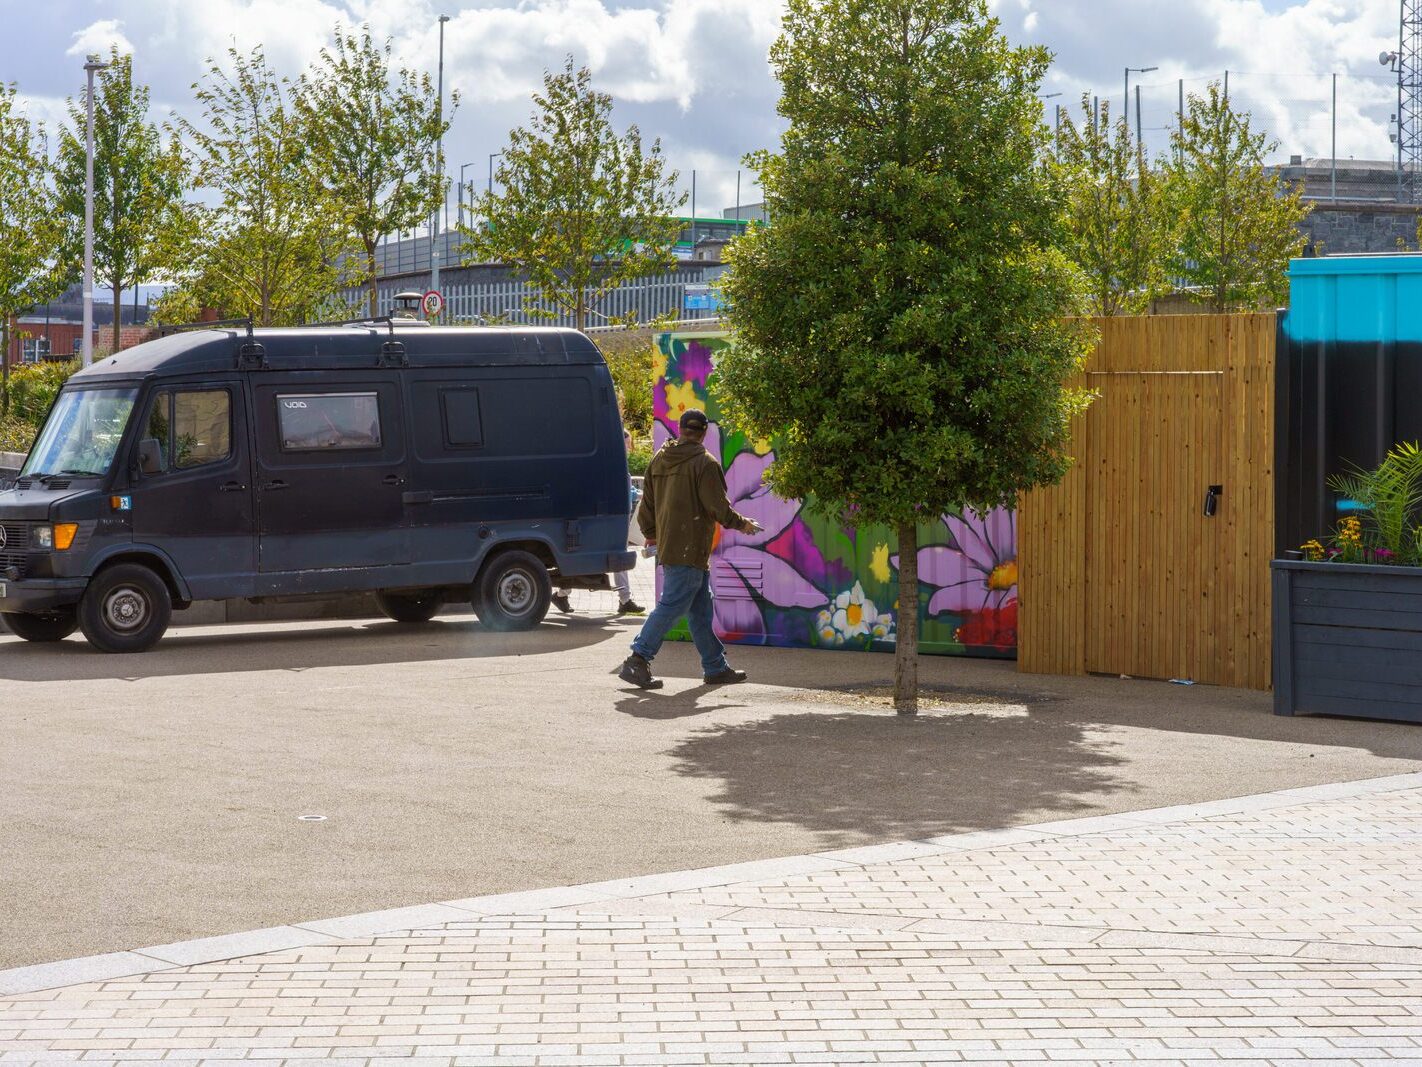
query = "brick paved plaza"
{"x": 1279, "y": 928}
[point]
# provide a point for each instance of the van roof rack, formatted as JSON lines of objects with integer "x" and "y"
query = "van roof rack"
{"x": 210, "y": 324}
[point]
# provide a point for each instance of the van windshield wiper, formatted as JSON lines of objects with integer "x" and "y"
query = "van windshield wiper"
{"x": 83, "y": 474}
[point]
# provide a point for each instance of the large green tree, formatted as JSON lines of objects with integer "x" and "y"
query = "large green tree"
{"x": 1238, "y": 224}
{"x": 271, "y": 245}
{"x": 139, "y": 182}
{"x": 372, "y": 134}
{"x": 902, "y": 327}
{"x": 30, "y": 229}
{"x": 580, "y": 210}
{"x": 1118, "y": 226}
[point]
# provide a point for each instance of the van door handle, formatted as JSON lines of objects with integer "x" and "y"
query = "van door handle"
{"x": 232, "y": 487}
{"x": 393, "y": 479}
{"x": 273, "y": 486}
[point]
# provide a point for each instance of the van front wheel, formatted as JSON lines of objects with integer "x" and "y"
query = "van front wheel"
{"x": 53, "y": 626}
{"x": 408, "y": 607}
{"x": 512, "y": 591}
{"x": 125, "y": 609}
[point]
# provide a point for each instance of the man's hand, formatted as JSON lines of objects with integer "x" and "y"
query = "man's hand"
{"x": 650, "y": 542}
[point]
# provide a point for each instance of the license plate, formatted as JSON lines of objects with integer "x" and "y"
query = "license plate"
{"x": 2, "y": 590}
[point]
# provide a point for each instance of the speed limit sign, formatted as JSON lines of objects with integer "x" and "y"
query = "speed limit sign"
{"x": 433, "y": 303}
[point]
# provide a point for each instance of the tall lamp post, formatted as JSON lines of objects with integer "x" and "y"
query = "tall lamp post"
{"x": 439, "y": 163}
{"x": 492, "y": 156}
{"x": 86, "y": 349}
{"x": 462, "y": 168}
{"x": 1126, "y": 96}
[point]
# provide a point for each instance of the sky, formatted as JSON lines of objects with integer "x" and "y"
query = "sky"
{"x": 694, "y": 72}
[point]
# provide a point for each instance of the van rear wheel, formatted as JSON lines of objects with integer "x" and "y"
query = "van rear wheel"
{"x": 126, "y": 608}
{"x": 409, "y": 607}
{"x": 512, "y": 592}
{"x": 51, "y": 626}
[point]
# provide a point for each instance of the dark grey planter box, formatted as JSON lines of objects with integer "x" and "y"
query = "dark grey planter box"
{"x": 1348, "y": 640}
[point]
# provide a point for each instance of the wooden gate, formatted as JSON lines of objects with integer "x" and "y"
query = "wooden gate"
{"x": 1121, "y": 571}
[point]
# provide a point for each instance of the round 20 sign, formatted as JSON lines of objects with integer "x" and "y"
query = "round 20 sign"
{"x": 433, "y": 303}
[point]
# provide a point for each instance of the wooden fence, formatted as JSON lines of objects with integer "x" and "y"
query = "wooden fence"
{"x": 1120, "y": 569}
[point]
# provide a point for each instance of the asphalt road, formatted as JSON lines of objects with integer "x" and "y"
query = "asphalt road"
{"x": 155, "y": 798}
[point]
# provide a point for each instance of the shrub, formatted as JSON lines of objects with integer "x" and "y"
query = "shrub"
{"x": 33, "y": 387}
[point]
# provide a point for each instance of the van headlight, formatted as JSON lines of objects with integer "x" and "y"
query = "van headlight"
{"x": 58, "y": 537}
{"x": 44, "y": 536}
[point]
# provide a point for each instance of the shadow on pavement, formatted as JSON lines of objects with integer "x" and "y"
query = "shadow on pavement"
{"x": 856, "y": 775}
{"x": 284, "y": 646}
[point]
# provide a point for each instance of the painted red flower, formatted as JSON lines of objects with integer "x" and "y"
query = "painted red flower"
{"x": 990, "y": 627}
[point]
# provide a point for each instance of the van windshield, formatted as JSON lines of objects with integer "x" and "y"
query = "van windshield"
{"x": 82, "y": 433}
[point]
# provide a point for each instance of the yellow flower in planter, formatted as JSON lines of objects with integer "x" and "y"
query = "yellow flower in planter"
{"x": 1313, "y": 551}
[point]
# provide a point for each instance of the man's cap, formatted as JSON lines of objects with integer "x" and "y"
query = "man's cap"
{"x": 692, "y": 419}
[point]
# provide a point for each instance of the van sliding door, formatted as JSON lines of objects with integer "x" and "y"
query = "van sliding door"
{"x": 330, "y": 480}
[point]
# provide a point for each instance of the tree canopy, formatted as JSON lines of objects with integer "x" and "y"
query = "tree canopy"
{"x": 30, "y": 224}
{"x": 902, "y": 327}
{"x": 1237, "y": 226}
{"x": 140, "y": 179}
{"x": 371, "y": 135}
{"x": 1118, "y": 225}
{"x": 272, "y": 245}
{"x": 580, "y": 210}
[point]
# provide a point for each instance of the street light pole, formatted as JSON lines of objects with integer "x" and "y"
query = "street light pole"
{"x": 1126, "y": 96}
{"x": 439, "y": 162}
{"x": 492, "y": 156}
{"x": 462, "y": 168}
{"x": 86, "y": 349}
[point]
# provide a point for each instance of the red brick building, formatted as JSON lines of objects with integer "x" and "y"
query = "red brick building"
{"x": 34, "y": 339}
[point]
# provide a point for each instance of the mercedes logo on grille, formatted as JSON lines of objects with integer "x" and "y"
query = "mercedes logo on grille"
{"x": 2, "y": 537}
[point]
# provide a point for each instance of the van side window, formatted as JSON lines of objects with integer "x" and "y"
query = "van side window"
{"x": 202, "y": 427}
{"x": 324, "y": 422}
{"x": 160, "y": 425}
{"x": 463, "y": 426}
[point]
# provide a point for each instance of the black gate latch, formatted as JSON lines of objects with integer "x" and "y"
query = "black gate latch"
{"x": 1212, "y": 500}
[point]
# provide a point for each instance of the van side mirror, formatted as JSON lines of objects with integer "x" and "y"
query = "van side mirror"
{"x": 150, "y": 456}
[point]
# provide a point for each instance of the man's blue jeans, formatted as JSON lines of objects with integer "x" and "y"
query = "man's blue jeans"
{"x": 685, "y": 591}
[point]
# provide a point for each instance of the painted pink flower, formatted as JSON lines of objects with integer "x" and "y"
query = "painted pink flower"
{"x": 742, "y": 568}
{"x": 977, "y": 569}
{"x": 695, "y": 362}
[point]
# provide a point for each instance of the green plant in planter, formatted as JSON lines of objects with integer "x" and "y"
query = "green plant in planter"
{"x": 1390, "y": 500}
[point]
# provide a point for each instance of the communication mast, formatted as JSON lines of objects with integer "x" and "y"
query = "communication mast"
{"x": 1407, "y": 62}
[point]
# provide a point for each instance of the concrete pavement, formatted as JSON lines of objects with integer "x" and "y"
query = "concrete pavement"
{"x": 154, "y": 799}
{"x": 1280, "y": 928}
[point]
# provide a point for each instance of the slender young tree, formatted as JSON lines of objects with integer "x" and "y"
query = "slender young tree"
{"x": 580, "y": 210}
{"x": 272, "y": 245}
{"x": 1118, "y": 228}
{"x": 139, "y": 182}
{"x": 29, "y": 224}
{"x": 371, "y": 134}
{"x": 902, "y": 328}
{"x": 1239, "y": 225}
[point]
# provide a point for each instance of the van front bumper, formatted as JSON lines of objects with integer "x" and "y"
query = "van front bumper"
{"x": 40, "y": 594}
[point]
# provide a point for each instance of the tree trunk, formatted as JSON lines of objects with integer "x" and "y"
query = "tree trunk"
{"x": 5, "y": 364}
{"x": 906, "y": 648}
{"x": 118, "y": 315}
{"x": 373, "y": 297}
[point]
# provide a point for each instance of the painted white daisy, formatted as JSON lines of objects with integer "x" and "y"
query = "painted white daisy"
{"x": 824, "y": 627}
{"x": 855, "y": 615}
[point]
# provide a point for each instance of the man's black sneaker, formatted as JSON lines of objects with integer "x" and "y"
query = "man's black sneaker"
{"x": 631, "y": 607}
{"x": 561, "y": 602}
{"x": 730, "y": 676}
{"x": 637, "y": 671}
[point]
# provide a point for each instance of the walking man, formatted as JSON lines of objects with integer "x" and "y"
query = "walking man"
{"x": 683, "y": 500}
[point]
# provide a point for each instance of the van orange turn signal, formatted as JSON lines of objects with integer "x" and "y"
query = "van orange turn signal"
{"x": 64, "y": 533}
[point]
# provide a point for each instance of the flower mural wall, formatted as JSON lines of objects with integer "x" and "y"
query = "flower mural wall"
{"x": 806, "y": 581}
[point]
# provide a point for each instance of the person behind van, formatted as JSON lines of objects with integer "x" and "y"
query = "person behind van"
{"x": 621, "y": 580}
{"x": 683, "y": 500}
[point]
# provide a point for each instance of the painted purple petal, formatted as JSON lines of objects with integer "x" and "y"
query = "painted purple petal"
{"x": 745, "y": 477}
{"x": 941, "y": 565}
{"x": 736, "y": 619}
{"x": 772, "y": 577}
{"x": 966, "y": 596}
{"x": 968, "y": 538}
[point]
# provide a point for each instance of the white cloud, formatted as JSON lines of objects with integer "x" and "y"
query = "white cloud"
{"x": 98, "y": 37}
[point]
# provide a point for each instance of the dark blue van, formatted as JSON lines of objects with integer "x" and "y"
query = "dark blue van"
{"x": 424, "y": 464}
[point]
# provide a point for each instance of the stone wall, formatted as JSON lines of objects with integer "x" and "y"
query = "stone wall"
{"x": 1350, "y": 227}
